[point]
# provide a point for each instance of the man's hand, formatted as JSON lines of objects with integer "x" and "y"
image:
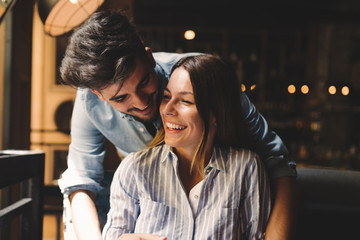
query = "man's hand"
{"x": 140, "y": 236}
{"x": 84, "y": 215}
{"x": 281, "y": 225}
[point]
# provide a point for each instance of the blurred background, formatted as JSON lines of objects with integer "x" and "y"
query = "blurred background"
{"x": 298, "y": 61}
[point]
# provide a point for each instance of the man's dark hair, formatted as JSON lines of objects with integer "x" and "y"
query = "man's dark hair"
{"x": 101, "y": 51}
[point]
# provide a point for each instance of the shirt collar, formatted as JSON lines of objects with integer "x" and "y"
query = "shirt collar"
{"x": 126, "y": 116}
{"x": 217, "y": 160}
{"x": 167, "y": 153}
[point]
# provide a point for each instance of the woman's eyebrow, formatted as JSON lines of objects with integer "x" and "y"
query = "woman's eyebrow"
{"x": 186, "y": 93}
{"x": 182, "y": 92}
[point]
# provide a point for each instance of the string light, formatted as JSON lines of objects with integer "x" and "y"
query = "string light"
{"x": 243, "y": 88}
{"x": 332, "y": 90}
{"x": 189, "y": 35}
{"x": 291, "y": 89}
{"x": 345, "y": 90}
{"x": 305, "y": 89}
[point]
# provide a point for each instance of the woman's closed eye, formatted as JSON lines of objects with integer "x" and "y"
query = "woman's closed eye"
{"x": 166, "y": 98}
{"x": 188, "y": 102}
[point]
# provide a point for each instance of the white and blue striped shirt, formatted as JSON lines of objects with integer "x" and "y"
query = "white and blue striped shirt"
{"x": 147, "y": 196}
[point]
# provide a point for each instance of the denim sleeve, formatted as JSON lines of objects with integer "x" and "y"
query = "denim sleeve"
{"x": 86, "y": 153}
{"x": 265, "y": 142}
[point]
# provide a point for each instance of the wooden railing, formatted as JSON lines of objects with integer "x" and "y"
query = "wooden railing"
{"x": 22, "y": 179}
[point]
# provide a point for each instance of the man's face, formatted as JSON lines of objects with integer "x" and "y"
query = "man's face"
{"x": 138, "y": 95}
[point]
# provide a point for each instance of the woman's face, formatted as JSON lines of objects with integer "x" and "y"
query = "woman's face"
{"x": 182, "y": 122}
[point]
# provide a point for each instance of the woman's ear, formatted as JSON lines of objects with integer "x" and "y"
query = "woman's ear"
{"x": 98, "y": 94}
{"x": 212, "y": 120}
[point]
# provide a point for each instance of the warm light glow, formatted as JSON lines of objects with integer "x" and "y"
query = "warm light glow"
{"x": 65, "y": 15}
{"x": 315, "y": 126}
{"x": 291, "y": 89}
{"x": 345, "y": 90}
{"x": 189, "y": 35}
{"x": 332, "y": 90}
{"x": 305, "y": 89}
{"x": 253, "y": 87}
{"x": 299, "y": 124}
{"x": 243, "y": 88}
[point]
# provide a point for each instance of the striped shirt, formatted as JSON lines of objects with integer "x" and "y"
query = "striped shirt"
{"x": 147, "y": 196}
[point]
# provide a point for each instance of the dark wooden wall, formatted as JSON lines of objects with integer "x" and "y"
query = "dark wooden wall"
{"x": 21, "y": 74}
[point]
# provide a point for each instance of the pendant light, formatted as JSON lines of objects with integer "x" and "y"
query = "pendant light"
{"x": 61, "y": 16}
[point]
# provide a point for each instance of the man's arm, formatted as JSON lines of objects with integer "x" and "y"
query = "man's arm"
{"x": 279, "y": 167}
{"x": 84, "y": 171}
{"x": 283, "y": 217}
{"x": 84, "y": 215}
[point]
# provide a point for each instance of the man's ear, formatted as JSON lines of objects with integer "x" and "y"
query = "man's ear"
{"x": 98, "y": 94}
{"x": 150, "y": 56}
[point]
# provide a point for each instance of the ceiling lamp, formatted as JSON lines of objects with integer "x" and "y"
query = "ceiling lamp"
{"x": 61, "y": 16}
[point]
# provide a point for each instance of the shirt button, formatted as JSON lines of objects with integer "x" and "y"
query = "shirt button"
{"x": 141, "y": 129}
{"x": 196, "y": 196}
{"x": 207, "y": 170}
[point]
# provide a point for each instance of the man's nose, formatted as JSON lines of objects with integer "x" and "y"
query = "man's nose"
{"x": 141, "y": 101}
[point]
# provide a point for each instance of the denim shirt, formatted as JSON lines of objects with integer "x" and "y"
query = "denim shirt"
{"x": 93, "y": 120}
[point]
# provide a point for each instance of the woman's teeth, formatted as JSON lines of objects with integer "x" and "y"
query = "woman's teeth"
{"x": 175, "y": 126}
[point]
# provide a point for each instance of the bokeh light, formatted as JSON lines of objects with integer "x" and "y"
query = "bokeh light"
{"x": 189, "y": 35}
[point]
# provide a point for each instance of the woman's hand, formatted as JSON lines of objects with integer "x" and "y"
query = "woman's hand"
{"x": 140, "y": 236}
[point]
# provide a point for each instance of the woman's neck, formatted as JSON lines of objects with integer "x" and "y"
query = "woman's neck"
{"x": 189, "y": 178}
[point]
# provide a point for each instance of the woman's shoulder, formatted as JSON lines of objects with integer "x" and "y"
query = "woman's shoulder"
{"x": 239, "y": 156}
{"x": 238, "y": 152}
{"x": 147, "y": 155}
{"x": 137, "y": 162}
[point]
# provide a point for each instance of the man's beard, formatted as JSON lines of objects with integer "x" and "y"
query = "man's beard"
{"x": 147, "y": 120}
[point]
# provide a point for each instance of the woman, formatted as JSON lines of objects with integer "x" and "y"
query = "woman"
{"x": 195, "y": 182}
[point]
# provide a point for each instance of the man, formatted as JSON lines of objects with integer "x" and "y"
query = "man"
{"x": 120, "y": 83}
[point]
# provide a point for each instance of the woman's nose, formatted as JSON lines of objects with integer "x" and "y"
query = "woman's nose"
{"x": 169, "y": 108}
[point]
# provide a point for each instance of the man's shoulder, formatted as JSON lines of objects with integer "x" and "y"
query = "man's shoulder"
{"x": 86, "y": 97}
{"x": 165, "y": 61}
{"x": 85, "y": 94}
{"x": 171, "y": 58}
